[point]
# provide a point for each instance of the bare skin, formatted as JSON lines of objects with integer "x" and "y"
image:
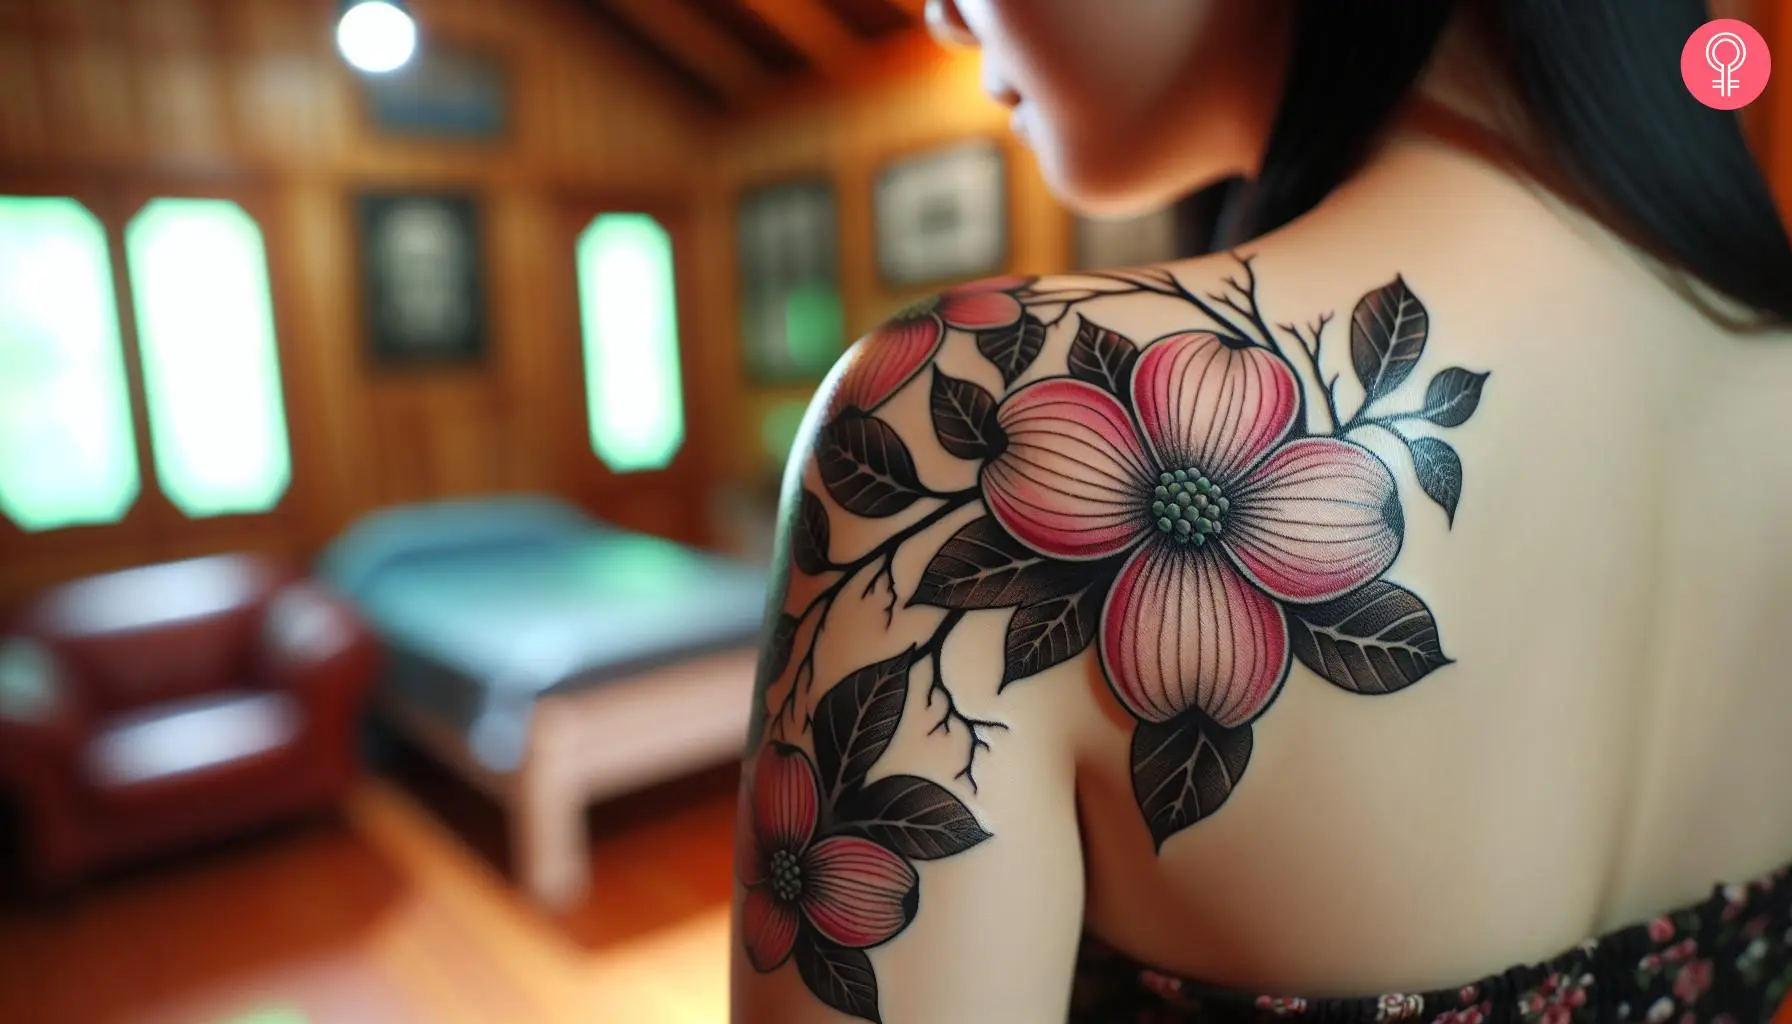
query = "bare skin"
{"x": 1605, "y": 743}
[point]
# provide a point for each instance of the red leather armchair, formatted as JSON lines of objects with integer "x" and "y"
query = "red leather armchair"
{"x": 147, "y": 709}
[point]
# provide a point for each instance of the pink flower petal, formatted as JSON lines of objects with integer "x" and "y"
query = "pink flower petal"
{"x": 768, "y": 928}
{"x": 1074, "y": 481}
{"x": 979, "y": 311}
{"x": 1205, "y": 405}
{"x": 883, "y": 362}
{"x": 786, "y": 798}
{"x": 857, "y": 893}
{"x": 1182, "y": 629}
{"x": 1317, "y": 519}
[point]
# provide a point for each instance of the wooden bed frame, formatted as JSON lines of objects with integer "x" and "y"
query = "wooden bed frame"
{"x": 593, "y": 744}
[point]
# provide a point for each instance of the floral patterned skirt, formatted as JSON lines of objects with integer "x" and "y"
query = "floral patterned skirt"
{"x": 1727, "y": 960}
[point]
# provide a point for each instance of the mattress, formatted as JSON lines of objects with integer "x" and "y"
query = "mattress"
{"x": 486, "y": 606}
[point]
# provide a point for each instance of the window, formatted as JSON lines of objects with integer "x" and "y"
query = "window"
{"x": 629, "y": 320}
{"x": 211, "y": 372}
{"x": 792, "y": 325}
{"x": 67, "y": 450}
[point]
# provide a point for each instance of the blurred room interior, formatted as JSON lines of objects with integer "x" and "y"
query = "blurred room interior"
{"x": 389, "y": 457}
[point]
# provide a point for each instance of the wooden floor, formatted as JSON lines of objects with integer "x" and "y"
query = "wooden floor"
{"x": 393, "y": 911}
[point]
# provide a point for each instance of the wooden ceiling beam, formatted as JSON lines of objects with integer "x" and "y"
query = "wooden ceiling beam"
{"x": 696, "y": 43}
{"x": 821, "y": 37}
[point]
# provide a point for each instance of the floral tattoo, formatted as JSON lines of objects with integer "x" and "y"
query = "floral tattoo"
{"x": 1183, "y": 507}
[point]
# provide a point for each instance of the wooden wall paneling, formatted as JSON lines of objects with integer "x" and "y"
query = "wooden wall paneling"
{"x": 83, "y": 19}
{"x": 24, "y": 123}
{"x": 172, "y": 25}
{"x": 526, "y": 372}
{"x": 270, "y": 26}
{"x": 283, "y": 108}
{"x": 326, "y": 355}
{"x": 91, "y": 105}
{"x": 467, "y": 434}
{"x": 18, "y": 17}
{"x": 399, "y": 446}
{"x": 186, "y": 120}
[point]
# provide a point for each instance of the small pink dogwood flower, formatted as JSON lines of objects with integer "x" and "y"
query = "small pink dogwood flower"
{"x": 850, "y": 890}
{"x": 898, "y": 349}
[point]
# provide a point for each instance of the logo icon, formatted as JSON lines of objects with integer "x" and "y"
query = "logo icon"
{"x": 1725, "y": 64}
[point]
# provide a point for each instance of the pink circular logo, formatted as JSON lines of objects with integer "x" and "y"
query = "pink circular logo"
{"x": 1726, "y": 64}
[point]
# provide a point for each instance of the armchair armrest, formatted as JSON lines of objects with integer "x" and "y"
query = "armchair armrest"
{"x": 43, "y": 727}
{"x": 314, "y": 646}
{"x": 41, "y": 712}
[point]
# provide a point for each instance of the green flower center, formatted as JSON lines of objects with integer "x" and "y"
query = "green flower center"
{"x": 787, "y": 876}
{"x": 1187, "y": 507}
{"x": 918, "y": 308}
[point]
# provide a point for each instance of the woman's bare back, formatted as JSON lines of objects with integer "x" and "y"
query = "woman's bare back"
{"x": 1394, "y": 601}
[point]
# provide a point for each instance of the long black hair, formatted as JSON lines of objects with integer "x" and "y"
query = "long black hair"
{"x": 1600, "y": 82}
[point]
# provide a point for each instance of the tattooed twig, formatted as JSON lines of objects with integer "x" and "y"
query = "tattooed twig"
{"x": 803, "y": 680}
{"x": 1384, "y": 422}
{"x": 884, "y": 555}
{"x": 886, "y": 570}
{"x": 1064, "y": 309}
{"x": 974, "y": 727}
{"x": 1314, "y": 351}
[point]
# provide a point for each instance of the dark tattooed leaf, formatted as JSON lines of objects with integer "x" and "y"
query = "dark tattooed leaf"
{"x": 964, "y": 418}
{"x": 1452, "y": 396}
{"x": 1440, "y": 471}
{"x": 1387, "y": 336}
{"x": 1378, "y": 639}
{"x": 841, "y": 978}
{"x": 1013, "y": 348}
{"x": 866, "y": 467}
{"x": 810, "y": 539}
{"x": 1052, "y": 631}
{"x": 982, "y": 567}
{"x": 1102, "y": 357}
{"x": 855, "y": 720}
{"x": 915, "y": 817}
{"x": 1184, "y": 769}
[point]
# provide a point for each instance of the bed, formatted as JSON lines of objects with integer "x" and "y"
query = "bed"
{"x": 552, "y": 660}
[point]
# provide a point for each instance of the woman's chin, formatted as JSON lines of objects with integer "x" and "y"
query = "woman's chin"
{"x": 1092, "y": 190}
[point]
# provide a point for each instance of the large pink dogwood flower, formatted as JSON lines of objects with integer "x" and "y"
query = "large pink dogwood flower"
{"x": 902, "y": 345}
{"x": 852, "y": 891}
{"x": 1222, "y": 517}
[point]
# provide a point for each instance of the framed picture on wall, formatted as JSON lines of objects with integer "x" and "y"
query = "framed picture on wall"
{"x": 1126, "y": 241}
{"x": 942, "y": 214}
{"x": 422, "y": 283}
{"x": 791, "y": 325}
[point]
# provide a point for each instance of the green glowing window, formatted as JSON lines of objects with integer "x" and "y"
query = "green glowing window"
{"x": 628, "y": 313}
{"x": 67, "y": 451}
{"x": 211, "y": 371}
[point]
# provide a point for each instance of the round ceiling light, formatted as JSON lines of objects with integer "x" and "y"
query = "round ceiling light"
{"x": 376, "y": 36}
